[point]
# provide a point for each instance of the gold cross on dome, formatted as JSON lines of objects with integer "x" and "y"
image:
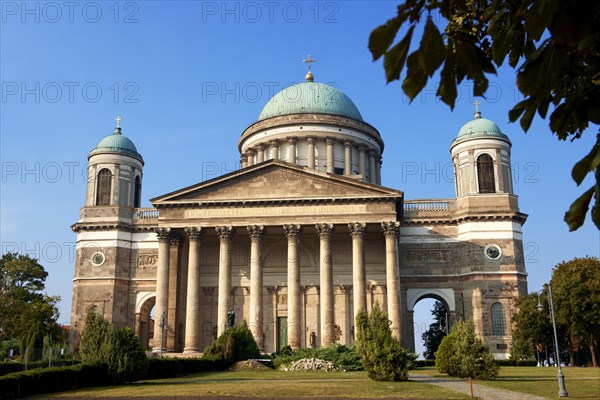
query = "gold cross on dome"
{"x": 118, "y": 121}
{"x": 309, "y": 60}
{"x": 477, "y": 103}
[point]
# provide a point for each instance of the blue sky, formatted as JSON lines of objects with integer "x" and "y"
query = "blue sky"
{"x": 187, "y": 77}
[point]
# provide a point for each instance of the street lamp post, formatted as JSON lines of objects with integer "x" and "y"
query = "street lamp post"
{"x": 162, "y": 332}
{"x": 562, "y": 390}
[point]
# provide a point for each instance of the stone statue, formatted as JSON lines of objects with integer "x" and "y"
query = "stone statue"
{"x": 231, "y": 318}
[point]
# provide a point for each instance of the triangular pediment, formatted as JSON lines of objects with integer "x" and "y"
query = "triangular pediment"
{"x": 275, "y": 180}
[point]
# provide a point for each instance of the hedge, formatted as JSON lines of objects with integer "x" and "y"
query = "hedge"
{"x": 516, "y": 363}
{"x": 54, "y": 379}
{"x": 10, "y": 367}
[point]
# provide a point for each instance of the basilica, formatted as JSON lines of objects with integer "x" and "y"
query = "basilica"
{"x": 301, "y": 237}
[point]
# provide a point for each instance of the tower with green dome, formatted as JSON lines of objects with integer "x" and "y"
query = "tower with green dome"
{"x": 481, "y": 158}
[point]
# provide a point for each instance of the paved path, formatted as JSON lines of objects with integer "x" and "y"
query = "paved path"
{"x": 479, "y": 391}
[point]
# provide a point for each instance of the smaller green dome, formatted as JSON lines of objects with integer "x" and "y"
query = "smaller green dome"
{"x": 480, "y": 128}
{"x": 310, "y": 98}
{"x": 118, "y": 144}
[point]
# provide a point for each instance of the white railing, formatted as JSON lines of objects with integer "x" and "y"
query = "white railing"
{"x": 428, "y": 205}
{"x": 146, "y": 213}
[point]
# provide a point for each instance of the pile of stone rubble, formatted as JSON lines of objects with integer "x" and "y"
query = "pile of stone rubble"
{"x": 311, "y": 364}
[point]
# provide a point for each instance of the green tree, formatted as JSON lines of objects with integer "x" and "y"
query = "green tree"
{"x": 576, "y": 292}
{"x": 26, "y": 313}
{"x": 235, "y": 344}
{"x": 382, "y": 356}
{"x": 554, "y": 45}
{"x": 436, "y": 332}
{"x": 464, "y": 355}
{"x": 120, "y": 351}
{"x": 532, "y": 327}
{"x": 95, "y": 345}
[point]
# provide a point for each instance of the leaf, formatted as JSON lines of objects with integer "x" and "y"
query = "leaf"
{"x": 539, "y": 17}
{"x": 415, "y": 79}
{"x": 394, "y": 59}
{"x": 586, "y": 164}
{"x": 447, "y": 89}
{"x": 382, "y": 37}
{"x": 517, "y": 110}
{"x": 527, "y": 118}
{"x": 576, "y": 214}
{"x": 432, "y": 50}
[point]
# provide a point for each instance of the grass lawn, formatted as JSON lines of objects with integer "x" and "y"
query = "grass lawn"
{"x": 269, "y": 383}
{"x": 581, "y": 383}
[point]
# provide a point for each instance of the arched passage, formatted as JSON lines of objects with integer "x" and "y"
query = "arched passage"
{"x": 144, "y": 325}
{"x": 412, "y": 332}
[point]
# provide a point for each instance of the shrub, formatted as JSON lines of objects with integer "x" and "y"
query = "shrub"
{"x": 235, "y": 344}
{"x": 463, "y": 354}
{"x": 12, "y": 366}
{"x": 343, "y": 356}
{"x": 120, "y": 351}
{"x": 128, "y": 361}
{"x": 382, "y": 356}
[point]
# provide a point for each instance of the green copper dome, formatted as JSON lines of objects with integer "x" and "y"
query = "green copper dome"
{"x": 310, "y": 98}
{"x": 118, "y": 144}
{"x": 480, "y": 128}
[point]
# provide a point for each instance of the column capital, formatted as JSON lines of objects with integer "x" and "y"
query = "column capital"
{"x": 259, "y": 147}
{"x": 225, "y": 232}
{"x": 311, "y": 139}
{"x": 292, "y": 230}
{"x": 372, "y": 152}
{"x": 292, "y": 139}
{"x": 324, "y": 229}
{"x": 255, "y": 231}
{"x": 345, "y": 288}
{"x": 163, "y": 234}
{"x": 194, "y": 233}
{"x": 274, "y": 142}
{"x": 329, "y": 140}
{"x": 362, "y": 148}
{"x": 250, "y": 152}
{"x": 175, "y": 241}
{"x": 391, "y": 228}
{"x": 357, "y": 229}
{"x": 348, "y": 143}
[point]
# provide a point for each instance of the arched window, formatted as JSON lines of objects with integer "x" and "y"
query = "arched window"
{"x": 137, "y": 192}
{"x": 103, "y": 188}
{"x": 485, "y": 173}
{"x": 498, "y": 322}
{"x": 93, "y": 309}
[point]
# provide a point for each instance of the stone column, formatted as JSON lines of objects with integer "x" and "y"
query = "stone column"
{"x": 326, "y": 281}
{"x": 274, "y": 149}
{"x": 256, "y": 233}
{"x": 359, "y": 278}
{"x": 260, "y": 153}
{"x": 250, "y": 157}
{"x": 391, "y": 231}
{"x": 330, "y": 161}
{"x": 347, "y": 157}
{"x": 174, "y": 300}
{"x": 499, "y": 173}
{"x": 362, "y": 169}
{"x": 379, "y": 162}
{"x": 162, "y": 286}
{"x": 291, "y": 157}
{"x": 244, "y": 161}
{"x": 225, "y": 234}
{"x": 372, "y": 173}
{"x": 473, "y": 186}
{"x": 192, "y": 312}
{"x": 311, "y": 152}
{"x": 293, "y": 285}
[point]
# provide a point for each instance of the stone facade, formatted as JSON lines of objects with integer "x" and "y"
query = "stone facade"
{"x": 296, "y": 248}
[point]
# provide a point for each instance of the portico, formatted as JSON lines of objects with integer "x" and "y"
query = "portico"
{"x": 300, "y": 242}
